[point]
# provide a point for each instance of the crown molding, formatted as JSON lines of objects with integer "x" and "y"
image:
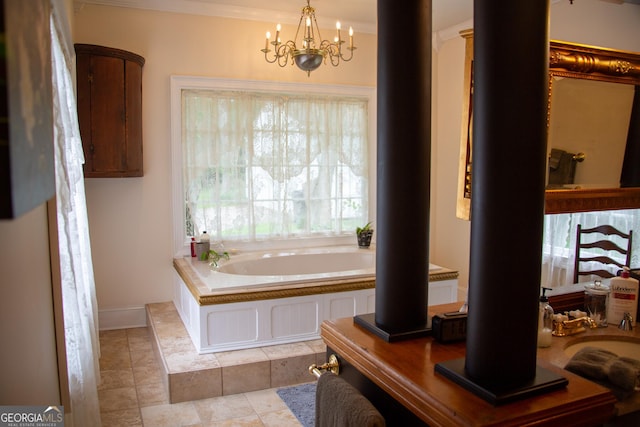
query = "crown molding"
{"x": 208, "y": 8}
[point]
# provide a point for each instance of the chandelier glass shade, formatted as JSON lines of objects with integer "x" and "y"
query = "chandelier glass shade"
{"x": 310, "y": 51}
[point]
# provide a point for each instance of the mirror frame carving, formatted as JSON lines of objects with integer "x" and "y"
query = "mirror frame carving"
{"x": 565, "y": 60}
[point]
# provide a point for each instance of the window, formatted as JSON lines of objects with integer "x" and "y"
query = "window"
{"x": 270, "y": 163}
{"x": 558, "y": 252}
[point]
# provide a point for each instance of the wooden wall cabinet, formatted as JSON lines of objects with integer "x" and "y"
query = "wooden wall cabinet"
{"x": 110, "y": 110}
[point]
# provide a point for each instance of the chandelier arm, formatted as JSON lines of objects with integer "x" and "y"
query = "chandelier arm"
{"x": 345, "y": 59}
{"x": 285, "y": 53}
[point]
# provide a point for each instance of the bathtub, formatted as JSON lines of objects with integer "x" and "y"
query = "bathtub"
{"x": 281, "y": 296}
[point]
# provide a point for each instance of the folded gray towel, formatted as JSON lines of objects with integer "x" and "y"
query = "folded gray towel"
{"x": 620, "y": 374}
{"x": 591, "y": 362}
{"x": 338, "y": 403}
{"x": 625, "y": 373}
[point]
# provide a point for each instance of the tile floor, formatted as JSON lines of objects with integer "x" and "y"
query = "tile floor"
{"x": 132, "y": 392}
{"x": 189, "y": 376}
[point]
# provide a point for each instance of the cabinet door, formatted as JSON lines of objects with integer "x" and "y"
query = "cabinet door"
{"x": 110, "y": 111}
{"x": 107, "y": 149}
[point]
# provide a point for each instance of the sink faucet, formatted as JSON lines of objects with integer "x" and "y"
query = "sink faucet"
{"x": 574, "y": 326}
{"x": 626, "y": 323}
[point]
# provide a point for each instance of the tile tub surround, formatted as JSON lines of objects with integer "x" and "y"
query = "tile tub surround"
{"x": 132, "y": 394}
{"x": 187, "y": 375}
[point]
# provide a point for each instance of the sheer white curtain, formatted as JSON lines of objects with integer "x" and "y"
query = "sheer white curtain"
{"x": 559, "y": 244}
{"x": 264, "y": 165}
{"x": 76, "y": 268}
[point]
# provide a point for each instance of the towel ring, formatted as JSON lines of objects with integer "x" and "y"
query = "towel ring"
{"x": 332, "y": 366}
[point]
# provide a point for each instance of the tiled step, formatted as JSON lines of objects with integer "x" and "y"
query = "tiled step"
{"x": 188, "y": 375}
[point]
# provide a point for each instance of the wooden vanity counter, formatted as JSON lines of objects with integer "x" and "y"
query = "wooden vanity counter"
{"x": 405, "y": 371}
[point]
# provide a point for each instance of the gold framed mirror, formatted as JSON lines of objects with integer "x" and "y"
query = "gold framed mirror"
{"x": 574, "y": 149}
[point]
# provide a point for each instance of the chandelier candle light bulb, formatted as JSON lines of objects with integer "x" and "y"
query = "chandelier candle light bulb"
{"x": 308, "y": 53}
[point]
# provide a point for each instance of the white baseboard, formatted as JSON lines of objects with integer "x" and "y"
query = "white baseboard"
{"x": 122, "y": 318}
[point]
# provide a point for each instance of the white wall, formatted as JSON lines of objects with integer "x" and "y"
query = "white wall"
{"x": 29, "y": 369}
{"x": 130, "y": 218}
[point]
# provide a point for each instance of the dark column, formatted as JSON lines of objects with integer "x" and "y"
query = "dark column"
{"x": 511, "y": 51}
{"x": 403, "y": 169}
{"x": 630, "y": 176}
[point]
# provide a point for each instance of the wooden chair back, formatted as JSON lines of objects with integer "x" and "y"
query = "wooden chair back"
{"x": 604, "y": 244}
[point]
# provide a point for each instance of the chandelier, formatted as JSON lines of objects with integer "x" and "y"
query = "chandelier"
{"x": 311, "y": 50}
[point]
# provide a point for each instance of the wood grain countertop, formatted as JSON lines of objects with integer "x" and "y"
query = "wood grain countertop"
{"x": 406, "y": 371}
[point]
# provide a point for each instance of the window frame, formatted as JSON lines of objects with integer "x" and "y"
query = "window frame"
{"x": 178, "y": 83}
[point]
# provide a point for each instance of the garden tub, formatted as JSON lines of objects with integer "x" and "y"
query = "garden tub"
{"x": 281, "y": 296}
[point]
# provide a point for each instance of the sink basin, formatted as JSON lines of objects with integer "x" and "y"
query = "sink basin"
{"x": 620, "y": 345}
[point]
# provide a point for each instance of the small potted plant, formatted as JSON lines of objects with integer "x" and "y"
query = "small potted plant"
{"x": 364, "y": 235}
{"x": 213, "y": 257}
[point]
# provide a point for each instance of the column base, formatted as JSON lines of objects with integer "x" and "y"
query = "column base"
{"x": 368, "y": 322}
{"x": 497, "y": 394}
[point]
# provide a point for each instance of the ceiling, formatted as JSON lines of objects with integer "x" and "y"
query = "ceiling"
{"x": 360, "y": 14}
{"x": 446, "y": 13}
{"x": 449, "y": 16}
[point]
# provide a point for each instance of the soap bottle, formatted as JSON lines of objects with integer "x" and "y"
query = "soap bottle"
{"x": 623, "y": 298}
{"x": 545, "y": 320}
{"x": 202, "y": 247}
{"x": 193, "y": 246}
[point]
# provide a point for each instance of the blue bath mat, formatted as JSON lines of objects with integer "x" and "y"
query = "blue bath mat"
{"x": 301, "y": 400}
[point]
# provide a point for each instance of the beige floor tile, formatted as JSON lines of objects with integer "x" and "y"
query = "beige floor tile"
{"x": 114, "y": 340}
{"x": 264, "y": 401}
{"x": 179, "y": 414}
{"x": 167, "y": 317}
{"x": 249, "y": 421}
{"x": 223, "y": 408}
{"x": 118, "y": 399}
{"x": 122, "y": 418}
{"x": 114, "y": 360}
{"x": 142, "y": 331}
{"x": 292, "y": 370}
{"x": 116, "y": 378}
{"x": 169, "y": 331}
{"x": 247, "y": 377}
{"x": 239, "y": 357}
{"x": 287, "y": 350}
{"x": 195, "y": 385}
{"x": 317, "y": 346}
{"x": 161, "y": 307}
{"x": 143, "y": 359}
{"x": 106, "y": 336}
{"x": 189, "y": 361}
{"x": 177, "y": 344}
{"x": 147, "y": 374}
{"x": 282, "y": 418}
{"x": 152, "y": 394}
{"x": 134, "y": 388}
{"x": 140, "y": 342}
